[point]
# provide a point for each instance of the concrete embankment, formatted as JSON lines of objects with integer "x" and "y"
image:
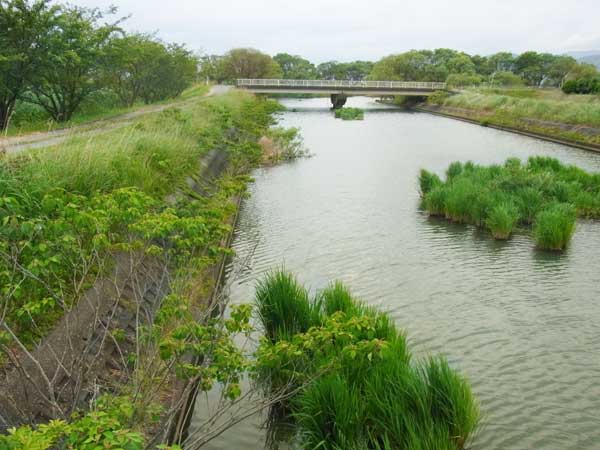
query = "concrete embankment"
{"x": 540, "y": 129}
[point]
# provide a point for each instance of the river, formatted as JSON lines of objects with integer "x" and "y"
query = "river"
{"x": 523, "y": 325}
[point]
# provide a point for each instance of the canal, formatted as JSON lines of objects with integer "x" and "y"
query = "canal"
{"x": 521, "y": 324}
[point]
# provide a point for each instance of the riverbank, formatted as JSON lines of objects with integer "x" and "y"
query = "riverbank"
{"x": 121, "y": 239}
{"x": 570, "y": 120}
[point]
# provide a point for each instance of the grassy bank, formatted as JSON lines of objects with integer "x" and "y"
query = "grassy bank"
{"x": 68, "y": 209}
{"x": 542, "y": 193}
{"x": 31, "y": 118}
{"x": 65, "y": 206}
{"x": 547, "y": 112}
{"x": 351, "y": 379}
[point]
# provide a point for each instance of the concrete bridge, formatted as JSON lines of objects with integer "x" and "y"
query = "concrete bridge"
{"x": 340, "y": 90}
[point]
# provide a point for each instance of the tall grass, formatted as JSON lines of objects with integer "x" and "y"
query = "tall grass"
{"x": 383, "y": 401}
{"x": 577, "y": 110}
{"x": 504, "y": 198}
{"x": 349, "y": 114}
{"x": 554, "y": 226}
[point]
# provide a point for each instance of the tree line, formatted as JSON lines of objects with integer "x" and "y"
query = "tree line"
{"x": 447, "y": 65}
{"x": 57, "y": 55}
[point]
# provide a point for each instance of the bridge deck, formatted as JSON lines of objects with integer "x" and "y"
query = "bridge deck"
{"x": 341, "y": 87}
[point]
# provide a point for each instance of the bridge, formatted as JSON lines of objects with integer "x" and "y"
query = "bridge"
{"x": 340, "y": 90}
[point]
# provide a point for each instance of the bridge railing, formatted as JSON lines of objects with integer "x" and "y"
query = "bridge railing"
{"x": 265, "y": 82}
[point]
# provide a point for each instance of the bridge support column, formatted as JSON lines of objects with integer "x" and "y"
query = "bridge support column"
{"x": 338, "y": 100}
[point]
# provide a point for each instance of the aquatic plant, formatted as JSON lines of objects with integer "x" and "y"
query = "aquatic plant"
{"x": 354, "y": 383}
{"x": 554, "y": 226}
{"x": 428, "y": 181}
{"x": 283, "y": 306}
{"x": 502, "y": 220}
{"x": 349, "y": 114}
{"x": 500, "y": 197}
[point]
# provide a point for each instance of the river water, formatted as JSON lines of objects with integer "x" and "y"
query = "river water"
{"x": 521, "y": 324}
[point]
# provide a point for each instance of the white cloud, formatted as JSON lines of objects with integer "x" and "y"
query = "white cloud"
{"x": 345, "y": 30}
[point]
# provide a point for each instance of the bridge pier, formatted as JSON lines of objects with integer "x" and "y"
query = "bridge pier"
{"x": 338, "y": 100}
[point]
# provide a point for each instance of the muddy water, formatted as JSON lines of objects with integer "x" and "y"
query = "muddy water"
{"x": 523, "y": 325}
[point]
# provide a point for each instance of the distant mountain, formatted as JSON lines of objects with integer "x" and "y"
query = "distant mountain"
{"x": 589, "y": 56}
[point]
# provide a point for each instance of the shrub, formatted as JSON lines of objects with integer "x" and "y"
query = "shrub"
{"x": 554, "y": 226}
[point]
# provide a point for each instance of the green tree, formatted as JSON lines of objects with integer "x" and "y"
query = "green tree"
{"x": 24, "y": 31}
{"x": 501, "y": 62}
{"x": 170, "y": 69}
{"x": 126, "y": 65}
{"x": 295, "y": 67}
{"x": 210, "y": 68}
{"x": 506, "y": 79}
{"x": 249, "y": 63}
{"x": 70, "y": 71}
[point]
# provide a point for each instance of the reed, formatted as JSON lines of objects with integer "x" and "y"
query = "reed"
{"x": 502, "y": 197}
{"x": 374, "y": 401}
{"x": 502, "y": 220}
{"x": 349, "y": 114}
{"x": 554, "y": 226}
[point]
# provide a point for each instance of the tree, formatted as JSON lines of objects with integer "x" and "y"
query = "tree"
{"x": 70, "y": 70}
{"x": 506, "y": 79}
{"x": 295, "y": 67}
{"x": 126, "y": 65}
{"x": 249, "y": 63}
{"x": 210, "y": 68}
{"x": 169, "y": 70}
{"x": 24, "y": 31}
{"x": 501, "y": 62}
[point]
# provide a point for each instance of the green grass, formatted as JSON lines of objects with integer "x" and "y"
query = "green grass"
{"x": 504, "y": 198}
{"x": 65, "y": 207}
{"x": 552, "y": 112}
{"x": 554, "y": 226}
{"x": 379, "y": 399}
{"x": 30, "y": 118}
{"x": 349, "y": 114}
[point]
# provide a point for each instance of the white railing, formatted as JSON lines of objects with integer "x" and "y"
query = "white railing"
{"x": 265, "y": 82}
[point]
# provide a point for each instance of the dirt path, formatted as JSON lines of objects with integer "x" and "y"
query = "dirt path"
{"x": 44, "y": 139}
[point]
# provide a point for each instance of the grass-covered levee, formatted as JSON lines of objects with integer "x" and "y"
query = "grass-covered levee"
{"x": 542, "y": 195}
{"x": 351, "y": 380}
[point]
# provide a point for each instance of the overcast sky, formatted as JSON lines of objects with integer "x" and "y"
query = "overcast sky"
{"x": 323, "y": 30}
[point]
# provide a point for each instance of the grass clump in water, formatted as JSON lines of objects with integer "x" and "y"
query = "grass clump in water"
{"x": 516, "y": 194}
{"x": 554, "y": 226}
{"x": 354, "y": 384}
{"x": 349, "y": 114}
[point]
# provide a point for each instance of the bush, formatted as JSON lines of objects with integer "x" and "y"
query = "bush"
{"x": 349, "y": 114}
{"x": 554, "y": 227}
{"x": 587, "y": 85}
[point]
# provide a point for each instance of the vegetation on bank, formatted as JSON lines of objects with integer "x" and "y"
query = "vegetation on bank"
{"x": 542, "y": 193}
{"x": 57, "y": 60}
{"x": 351, "y": 380}
{"x": 349, "y": 114}
{"x": 67, "y": 210}
{"x": 547, "y": 112}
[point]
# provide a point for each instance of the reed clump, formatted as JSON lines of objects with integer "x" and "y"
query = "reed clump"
{"x": 542, "y": 194}
{"x": 352, "y": 381}
{"x": 349, "y": 114}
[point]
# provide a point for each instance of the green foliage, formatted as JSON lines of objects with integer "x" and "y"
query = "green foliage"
{"x": 502, "y": 197}
{"x": 353, "y": 382}
{"x": 506, "y": 79}
{"x": 588, "y": 85}
{"x": 352, "y": 71}
{"x": 461, "y": 80}
{"x": 554, "y": 226}
{"x": 65, "y": 209}
{"x": 349, "y": 114}
{"x": 105, "y": 427}
{"x": 295, "y": 67}
{"x": 248, "y": 63}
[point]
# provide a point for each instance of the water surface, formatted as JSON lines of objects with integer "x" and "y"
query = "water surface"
{"x": 521, "y": 324}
